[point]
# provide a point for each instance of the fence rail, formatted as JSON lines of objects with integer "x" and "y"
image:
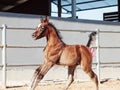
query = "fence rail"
{"x": 64, "y": 30}
{"x": 13, "y": 46}
{"x": 4, "y": 46}
{"x": 28, "y": 65}
{"x": 23, "y": 46}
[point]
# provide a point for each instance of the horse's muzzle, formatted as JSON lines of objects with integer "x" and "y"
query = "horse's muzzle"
{"x": 34, "y": 36}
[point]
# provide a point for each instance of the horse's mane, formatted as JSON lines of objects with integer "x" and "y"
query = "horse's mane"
{"x": 57, "y": 31}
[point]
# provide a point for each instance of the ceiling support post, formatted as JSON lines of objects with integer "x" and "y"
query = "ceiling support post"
{"x": 59, "y": 8}
{"x": 118, "y": 10}
{"x": 73, "y": 8}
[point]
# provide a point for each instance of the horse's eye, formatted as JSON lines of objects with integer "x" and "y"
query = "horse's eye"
{"x": 42, "y": 27}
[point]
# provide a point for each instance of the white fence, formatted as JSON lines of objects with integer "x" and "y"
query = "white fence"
{"x": 4, "y": 46}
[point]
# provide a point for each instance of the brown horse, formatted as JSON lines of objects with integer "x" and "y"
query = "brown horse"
{"x": 57, "y": 52}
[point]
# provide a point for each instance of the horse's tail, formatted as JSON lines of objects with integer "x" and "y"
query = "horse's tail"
{"x": 92, "y": 38}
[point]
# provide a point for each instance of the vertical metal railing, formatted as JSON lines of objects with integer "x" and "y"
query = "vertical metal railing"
{"x": 4, "y": 55}
{"x": 98, "y": 54}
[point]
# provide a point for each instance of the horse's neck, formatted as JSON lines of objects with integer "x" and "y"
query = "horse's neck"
{"x": 53, "y": 39}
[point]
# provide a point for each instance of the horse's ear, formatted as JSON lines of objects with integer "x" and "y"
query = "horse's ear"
{"x": 41, "y": 19}
{"x": 47, "y": 19}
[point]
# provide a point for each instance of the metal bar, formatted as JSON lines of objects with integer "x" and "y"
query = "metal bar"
{"x": 98, "y": 55}
{"x": 73, "y": 8}
{"x": 1, "y": 65}
{"x": 117, "y": 47}
{"x": 25, "y": 46}
{"x": 96, "y": 8}
{"x": 119, "y": 10}
{"x": 110, "y": 14}
{"x": 27, "y": 65}
{"x": 1, "y": 46}
{"x": 118, "y": 31}
{"x": 23, "y": 65}
{"x": 62, "y": 8}
{"x": 59, "y": 8}
{"x": 110, "y": 63}
{"x": 85, "y": 2}
{"x": 57, "y": 12}
{"x": 77, "y": 30}
{"x": 17, "y": 28}
{"x": 4, "y": 55}
{"x": 1, "y": 27}
{"x": 44, "y": 47}
{"x": 110, "y": 47}
{"x": 81, "y": 30}
{"x": 14, "y": 28}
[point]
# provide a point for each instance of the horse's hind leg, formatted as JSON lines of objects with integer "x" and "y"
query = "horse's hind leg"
{"x": 91, "y": 74}
{"x": 71, "y": 70}
{"x": 40, "y": 74}
{"x": 94, "y": 78}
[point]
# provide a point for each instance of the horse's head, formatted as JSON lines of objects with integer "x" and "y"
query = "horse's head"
{"x": 41, "y": 29}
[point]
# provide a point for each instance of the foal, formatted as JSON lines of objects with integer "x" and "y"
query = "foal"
{"x": 57, "y": 52}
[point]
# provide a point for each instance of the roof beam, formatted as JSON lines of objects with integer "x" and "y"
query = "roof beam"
{"x": 61, "y": 7}
{"x": 97, "y": 7}
{"x": 83, "y": 2}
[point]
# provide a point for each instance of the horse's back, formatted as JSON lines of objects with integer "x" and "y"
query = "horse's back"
{"x": 72, "y": 54}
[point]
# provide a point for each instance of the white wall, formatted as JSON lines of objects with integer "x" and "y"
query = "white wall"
{"x": 35, "y": 56}
{"x": 21, "y": 37}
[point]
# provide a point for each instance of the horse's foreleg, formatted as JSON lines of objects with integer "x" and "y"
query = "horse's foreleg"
{"x": 40, "y": 74}
{"x": 71, "y": 70}
{"x": 35, "y": 75}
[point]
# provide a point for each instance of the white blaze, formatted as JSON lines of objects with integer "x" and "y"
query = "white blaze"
{"x": 39, "y": 25}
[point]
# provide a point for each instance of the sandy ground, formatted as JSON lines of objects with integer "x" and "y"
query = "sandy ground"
{"x": 106, "y": 85}
{"x": 19, "y": 79}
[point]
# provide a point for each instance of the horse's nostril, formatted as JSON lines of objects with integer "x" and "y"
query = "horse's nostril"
{"x": 33, "y": 35}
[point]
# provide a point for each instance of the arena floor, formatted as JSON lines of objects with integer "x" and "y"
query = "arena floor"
{"x": 106, "y": 85}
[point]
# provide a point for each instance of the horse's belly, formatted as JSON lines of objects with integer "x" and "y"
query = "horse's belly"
{"x": 67, "y": 62}
{"x": 69, "y": 57}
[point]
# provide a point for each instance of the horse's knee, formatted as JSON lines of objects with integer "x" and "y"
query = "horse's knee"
{"x": 38, "y": 69}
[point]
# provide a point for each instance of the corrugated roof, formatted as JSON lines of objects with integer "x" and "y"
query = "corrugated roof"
{"x": 82, "y": 5}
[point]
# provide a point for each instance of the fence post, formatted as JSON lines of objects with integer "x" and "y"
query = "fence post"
{"x": 98, "y": 54}
{"x": 4, "y": 55}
